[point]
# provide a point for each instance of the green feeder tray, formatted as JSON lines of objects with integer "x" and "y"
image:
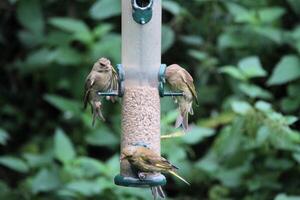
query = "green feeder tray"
{"x": 155, "y": 180}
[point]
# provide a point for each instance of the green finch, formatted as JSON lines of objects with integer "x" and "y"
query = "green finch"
{"x": 180, "y": 80}
{"x": 102, "y": 78}
{"x": 146, "y": 161}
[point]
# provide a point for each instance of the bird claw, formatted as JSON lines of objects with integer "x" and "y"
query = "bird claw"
{"x": 142, "y": 175}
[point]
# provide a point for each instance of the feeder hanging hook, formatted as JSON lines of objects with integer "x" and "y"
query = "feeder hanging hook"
{"x": 142, "y": 11}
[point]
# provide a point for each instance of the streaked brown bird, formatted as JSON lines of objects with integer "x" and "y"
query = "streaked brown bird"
{"x": 180, "y": 80}
{"x": 147, "y": 161}
{"x": 102, "y": 78}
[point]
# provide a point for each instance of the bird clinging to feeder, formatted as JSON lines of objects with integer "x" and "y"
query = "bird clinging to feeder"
{"x": 145, "y": 161}
{"x": 180, "y": 79}
{"x": 102, "y": 78}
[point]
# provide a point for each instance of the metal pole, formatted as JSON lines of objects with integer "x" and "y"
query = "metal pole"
{"x": 141, "y": 59}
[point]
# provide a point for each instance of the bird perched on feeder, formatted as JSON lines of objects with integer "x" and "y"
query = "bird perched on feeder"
{"x": 145, "y": 161}
{"x": 102, "y": 78}
{"x": 180, "y": 80}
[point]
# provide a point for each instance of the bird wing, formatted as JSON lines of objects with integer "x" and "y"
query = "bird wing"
{"x": 87, "y": 88}
{"x": 189, "y": 81}
{"x": 158, "y": 162}
{"x": 114, "y": 83}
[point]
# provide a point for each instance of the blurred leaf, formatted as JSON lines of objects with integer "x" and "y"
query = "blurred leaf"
{"x": 38, "y": 59}
{"x": 271, "y": 14}
{"x": 194, "y": 40}
{"x": 58, "y": 38}
{"x": 3, "y": 136}
{"x": 171, "y": 6}
{"x": 29, "y": 14}
{"x": 233, "y": 72}
{"x": 251, "y": 67}
{"x": 110, "y": 46}
{"x": 85, "y": 187}
{"x": 274, "y": 34}
{"x": 103, "y": 9}
{"x": 29, "y": 39}
{"x": 63, "y": 147}
{"x": 168, "y": 38}
{"x": 218, "y": 120}
{"x": 199, "y": 55}
{"x": 38, "y": 160}
{"x": 102, "y": 29}
{"x": 263, "y": 106}
{"x": 69, "y": 24}
{"x": 197, "y": 134}
{"x": 45, "y": 181}
{"x": 288, "y": 69}
{"x": 70, "y": 107}
{"x": 241, "y": 107}
{"x": 14, "y": 163}
{"x": 262, "y": 135}
{"x": 254, "y": 91}
{"x": 85, "y": 167}
{"x": 102, "y": 137}
{"x": 283, "y": 196}
{"x": 67, "y": 56}
{"x": 295, "y": 5}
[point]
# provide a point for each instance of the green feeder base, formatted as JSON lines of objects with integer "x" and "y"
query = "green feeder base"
{"x": 152, "y": 181}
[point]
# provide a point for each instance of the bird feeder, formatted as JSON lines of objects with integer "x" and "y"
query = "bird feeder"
{"x": 141, "y": 84}
{"x": 141, "y": 60}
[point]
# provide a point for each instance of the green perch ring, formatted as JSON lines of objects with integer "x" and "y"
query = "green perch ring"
{"x": 155, "y": 180}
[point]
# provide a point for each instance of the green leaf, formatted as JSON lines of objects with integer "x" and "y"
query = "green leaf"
{"x": 102, "y": 30}
{"x": 67, "y": 56}
{"x": 69, "y": 24}
{"x": 274, "y": 34}
{"x": 109, "y": 45}
{"x": 197, "y": 134}
{"x": 102, "y": 137}
{"x": 38, "y": 59}
{"x": 63, "y": 147}
{"x": 194, "y": 40}
{"x": 233, "y": 72}
{"x": 14, "y": 163}
{"x": 45, "y": 181}
{"x": 295, "y": 5}
{"x": 3, "y": 136}
{"x": 168, "y": 38}
{"x": 104, "y": 9}
{"x": 85, "y": 187}
{"x": 84, "y": 167}
{"x": 251, "y": 67}
{"x": 271, "y": 14}
{"x": 171, "y": 6}
{"x": 288, "y": 69}
{"x": 199, "y": 55}
{"x": 262, "y": 135}
{"x": 254, "y": 91}
{"x": 263, "y": 106}
{"x": 283, "y": 196}
{"x": 70, "y": 107}
{"x": 241, "y": 107}
{"x": 29, "y": 14}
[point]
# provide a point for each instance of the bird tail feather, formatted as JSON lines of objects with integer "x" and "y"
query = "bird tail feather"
{"x": 176, "y": 175}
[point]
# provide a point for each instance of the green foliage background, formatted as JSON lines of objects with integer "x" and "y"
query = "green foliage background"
{"x": 244, "y": 142}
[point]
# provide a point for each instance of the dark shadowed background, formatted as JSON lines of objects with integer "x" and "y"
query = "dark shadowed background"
{"x": 244, "y": 142}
